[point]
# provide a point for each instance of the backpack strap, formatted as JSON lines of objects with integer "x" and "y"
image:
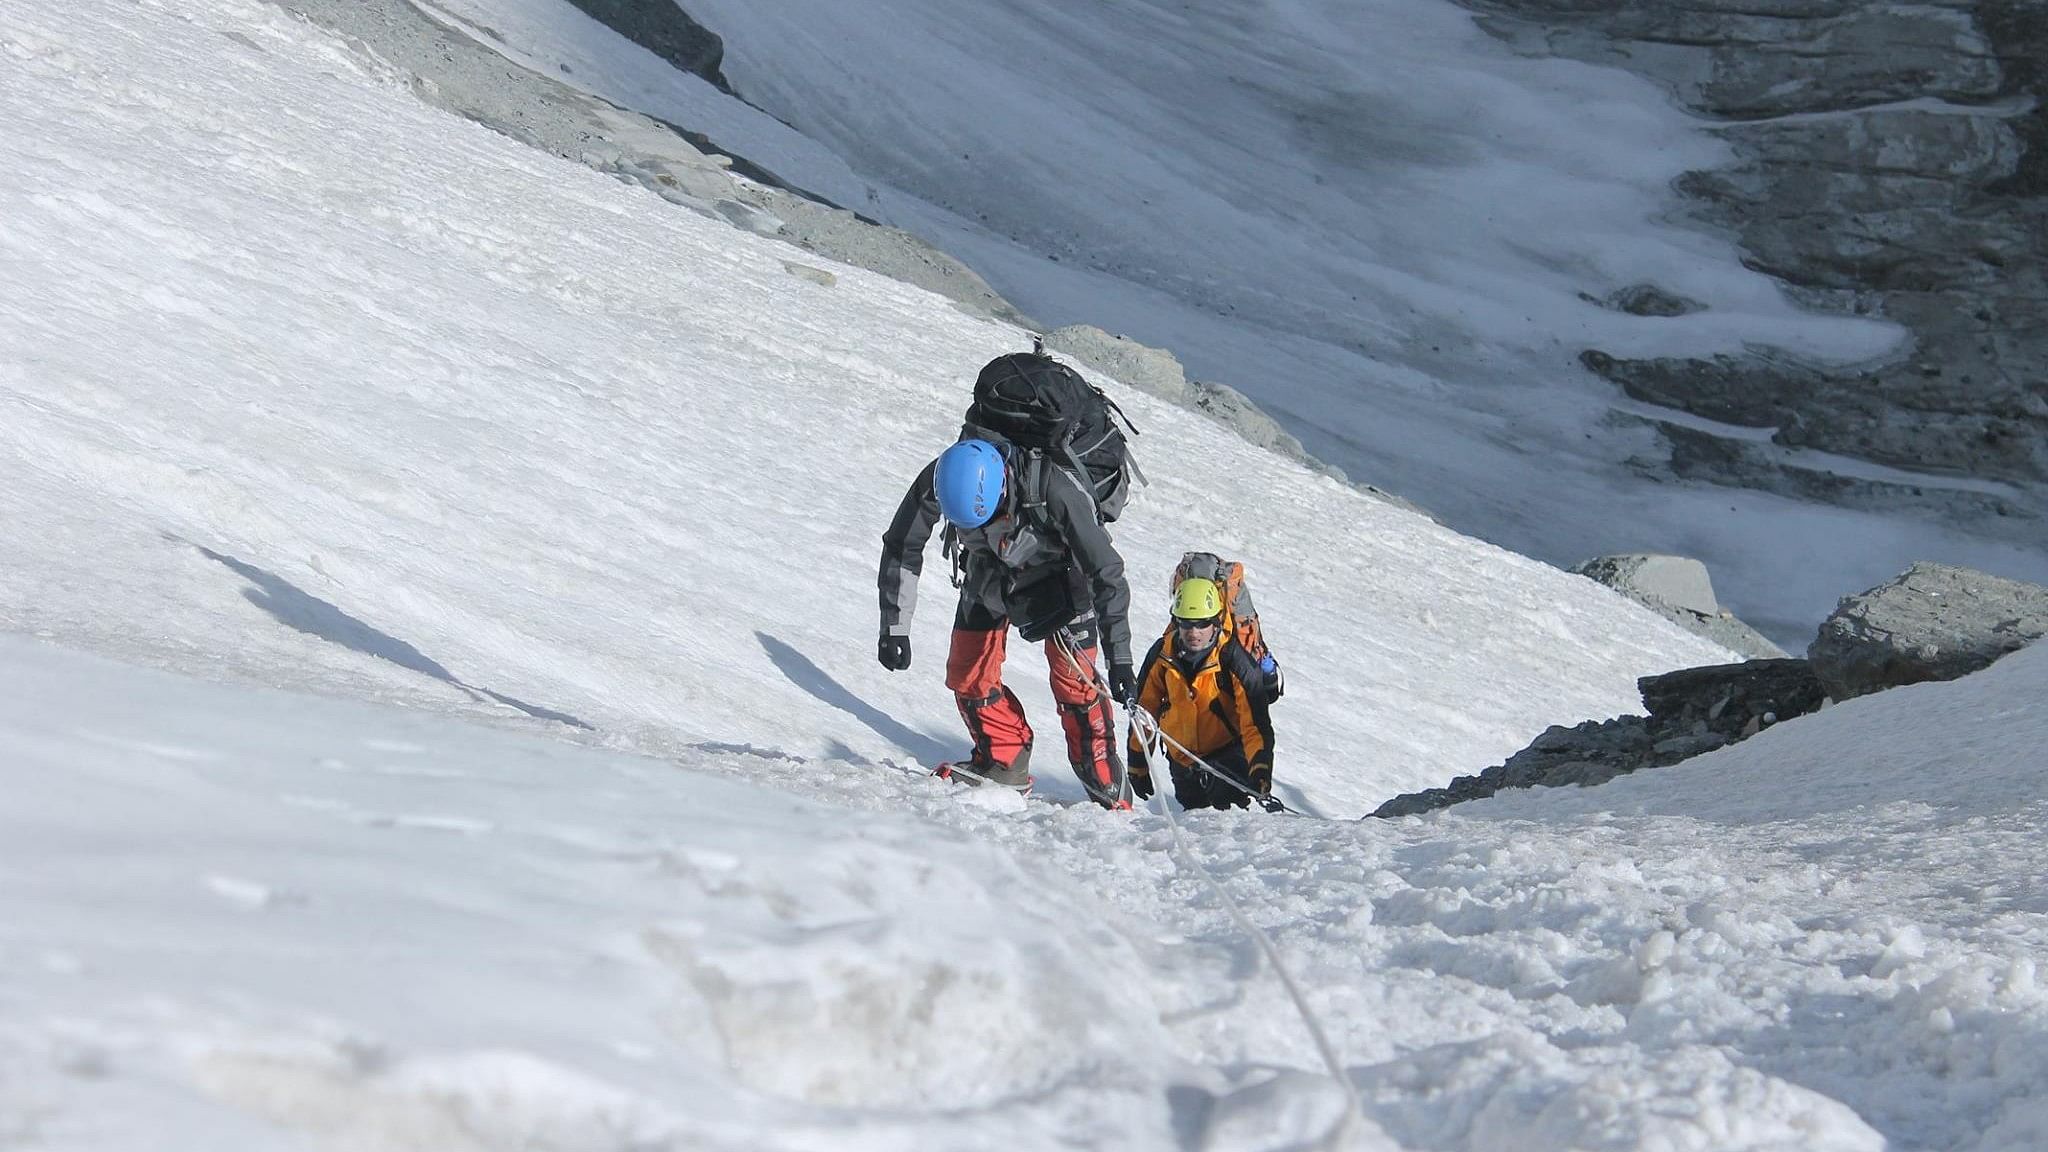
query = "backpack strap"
{"x": 1032, "y": 495}
{"x": 949, "y": 547}
{"x": 1112, "y": 406}
{"x": 1227, "y": 687}
{"x": 1130, "y": 459}
{"x": 1080, "y": 473}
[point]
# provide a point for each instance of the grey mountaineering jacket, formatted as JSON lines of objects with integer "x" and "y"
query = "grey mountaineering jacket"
{"x": 1023, "y": 564}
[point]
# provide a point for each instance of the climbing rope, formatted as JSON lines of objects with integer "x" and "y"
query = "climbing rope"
{"x": 1155, "y": 742}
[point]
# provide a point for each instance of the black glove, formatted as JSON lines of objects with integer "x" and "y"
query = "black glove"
{"x": 893, "y": 652}
{"x": 1141, "y": 783}
{"x": 1262, "y": 788}
{"x": 1123, "y": 684}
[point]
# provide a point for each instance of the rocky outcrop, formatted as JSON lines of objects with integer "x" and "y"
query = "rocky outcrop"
{"x": 666, "y": 30}
{"x": 1678, "y": 589}
{"x": 1695, "y": 454}
{"x": 448, "y": 66}
{"x": 1890, "y": 159}
{"x": 1692, "y": 711}
{"x": 1158, "y": 372}
{"x": 1148, "y": 369}
{"x": 1663, "y": 581}
{"x": 1645, "y": 300}
{"x": 1931, "y": 622}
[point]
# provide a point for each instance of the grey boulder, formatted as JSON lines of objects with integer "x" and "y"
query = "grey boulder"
{"x": 1678, "y": 581}
{"x": 1678, "y": 589}
{"x": 1148, "y": 369}
{"x": 1931, "y": 622}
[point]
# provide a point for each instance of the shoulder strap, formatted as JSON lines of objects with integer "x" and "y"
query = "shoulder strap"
{"x": 1226, "y": 688}
{"x": 949, "y": 547}
{"x": 1032, "y": 488}
{"x": 1079, "y": 470}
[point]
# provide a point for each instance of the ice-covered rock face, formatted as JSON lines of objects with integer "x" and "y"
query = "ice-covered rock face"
{"x": 1890, "y": 159}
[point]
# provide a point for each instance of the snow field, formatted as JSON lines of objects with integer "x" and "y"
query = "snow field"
{"x": 1626, "y": 982}
{"x": 549, "y": 448}
{"x": 309, "y": 386}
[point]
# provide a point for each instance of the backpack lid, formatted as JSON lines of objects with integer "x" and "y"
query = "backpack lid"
{"x": 1032, "y": 399}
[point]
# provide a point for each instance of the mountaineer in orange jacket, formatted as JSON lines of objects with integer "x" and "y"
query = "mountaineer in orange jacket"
{"x": 1209, "y": 695}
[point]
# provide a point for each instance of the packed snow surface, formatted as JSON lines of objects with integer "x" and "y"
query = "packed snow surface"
{"x": 439, "y": 712}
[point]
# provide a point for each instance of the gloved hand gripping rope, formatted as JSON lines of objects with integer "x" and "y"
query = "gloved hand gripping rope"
{"x": 1156, "y": 741}
{"x": 1150, "y": 734}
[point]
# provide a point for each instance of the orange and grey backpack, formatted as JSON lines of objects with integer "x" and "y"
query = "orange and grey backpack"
{"x": 1240, "y": 616}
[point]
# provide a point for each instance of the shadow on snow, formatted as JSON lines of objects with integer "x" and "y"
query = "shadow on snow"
{"x": 297, "y": 609}
{"x": 805, "y": 674}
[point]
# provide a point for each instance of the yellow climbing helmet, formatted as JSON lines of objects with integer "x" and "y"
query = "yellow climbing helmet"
{"x": 1197, "y": 599}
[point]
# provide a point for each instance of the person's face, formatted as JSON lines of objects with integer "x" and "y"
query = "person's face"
{"x": 1196, "y": 635}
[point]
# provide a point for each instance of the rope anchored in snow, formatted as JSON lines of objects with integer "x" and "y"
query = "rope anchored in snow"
{"x": 1155, "y": 742}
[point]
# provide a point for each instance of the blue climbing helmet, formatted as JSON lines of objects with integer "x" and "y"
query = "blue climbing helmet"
{"x": 969, "y": 482}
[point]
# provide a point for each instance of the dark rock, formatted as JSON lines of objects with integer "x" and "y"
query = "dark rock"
{"x": 664, "y": 29}
{"x": 1553, "y": 738}
{"x": 1692, "y": 711}
{"x": 1698, "y": 455}
{"x": 1646, "y": 300}
{"x": 1932, "y": 622}
{"x": 1416, "y": 803}
{"x": 1889, "y": 159}
{"x": 1726, "y": 696}
{"x": 1677, "y": 748}
{"x": 1729, "y": 389}
{"x": 1582, "y": 773}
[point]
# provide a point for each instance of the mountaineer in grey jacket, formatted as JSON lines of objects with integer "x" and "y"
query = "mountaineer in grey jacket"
{"x": 1027, "y": 550}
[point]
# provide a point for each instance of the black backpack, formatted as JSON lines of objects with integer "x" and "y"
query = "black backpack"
{"x": 1029, "y": 402}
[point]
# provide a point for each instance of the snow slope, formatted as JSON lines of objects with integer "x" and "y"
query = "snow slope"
{"x": 236, "y": 917}
{"x": 1371, "y": 217}
{"x": 547, "y": 448}
{"x": 491, "y": 756}
{"x": 241, "y": 919}
{"x": 1878, "y": 866}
